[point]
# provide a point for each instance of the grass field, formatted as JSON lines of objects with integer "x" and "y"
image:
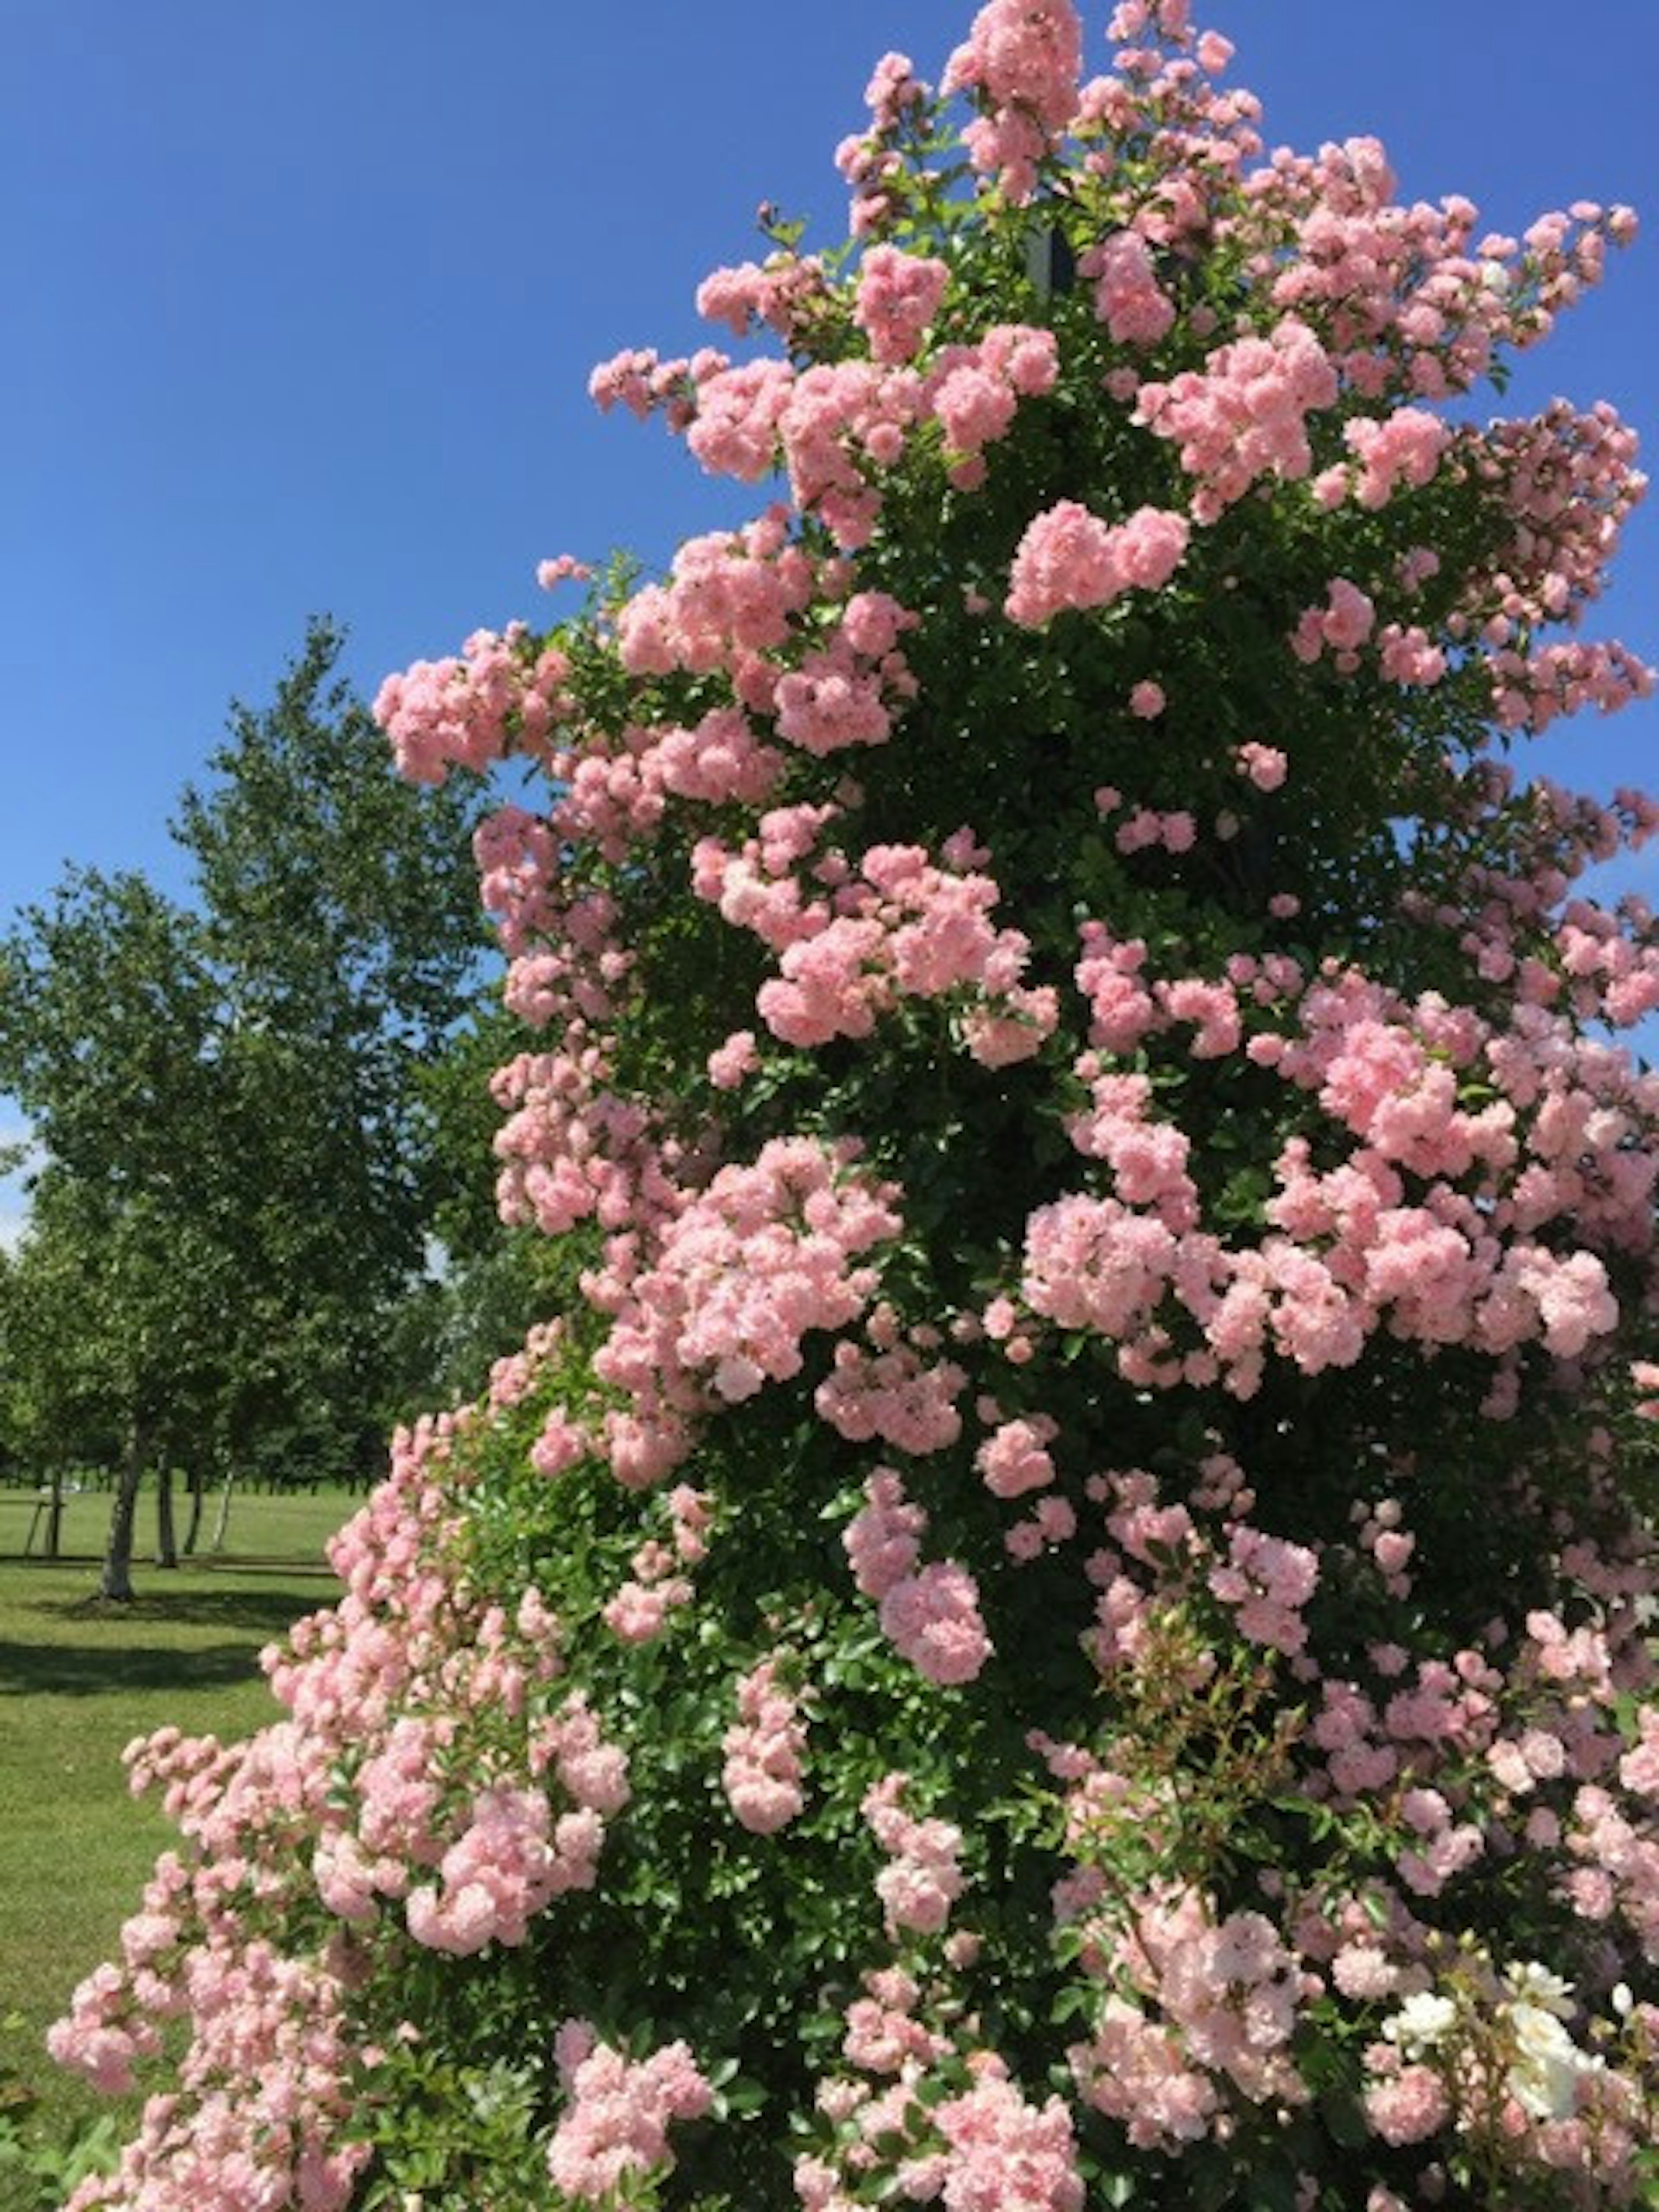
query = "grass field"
{"x": 78, "y": 1680}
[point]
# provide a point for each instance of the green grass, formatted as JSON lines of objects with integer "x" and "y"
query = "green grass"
{"x": 79, "y": 1679}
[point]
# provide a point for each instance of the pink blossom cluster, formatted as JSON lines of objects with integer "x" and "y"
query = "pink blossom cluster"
{"x": 884, "y": 2033}
{"x": 730, "y": 597}
{"x": 765, "y": 1255}
{"x": 468, "y": 712}
{"x": 974, "y": 392}
{"x": 1265, "y": 766}
{"x": 412, "y": 1769}
{"x": 923, "y": 1876}
{"x": 1128, "y": 298}
{"x": 1268, "y": 1581}
{"x": 930, "y": 1613}
{"x": 1231, "y": 1992}
{"x": 1006, "y": 2154}
{"x": 1402, "y": 447}
{"x": 657, "y": 1588}
{"x": 835, "y": 426}
{"x": 1410, "y": 295}
{"x": 1069, "y": 557}
{"x": 1244, "y": 416}
{"x": 1531, "y": 689}
{"x": 1360, "y": 1245}
{"x": 1406, "y": 1754}
{"x": 1147, "y": 830}
{"x": 986, "y": 2148}
{"x": 893, "y": 1392}
{"x": 639, "y": 380}
{"x": 1021, "y": 60}
{"x": 902, "y": 927}
{"x": 762, "y": 1774}
{"x": 615, "y": 2126}
{"x": 873, "y": 163}
{"x": 846, "y": 691}
{"x": 898, "y": 296}
{"x": 1342, "y": 625}
{"x": 510, "y": 1861}
{"x": 783, "y": 292}
{"x": 571, "y": 1148}
{"x": 1570, "y": 480}
{"x": 266, "y": 2093}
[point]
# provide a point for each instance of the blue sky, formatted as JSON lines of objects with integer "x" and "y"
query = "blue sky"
{"x": 304, "y": 296}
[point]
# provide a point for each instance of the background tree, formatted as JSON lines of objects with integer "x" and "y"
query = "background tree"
{"x": 341, "y": 919}
{"x": 108, "y": 1036}
{"x": 240, "y": 1171}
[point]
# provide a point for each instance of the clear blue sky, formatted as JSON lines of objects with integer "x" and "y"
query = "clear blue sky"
{"x": 303, "y": 298}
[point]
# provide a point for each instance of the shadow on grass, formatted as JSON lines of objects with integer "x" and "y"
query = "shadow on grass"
{"x": 92, "y": 1671}
{"x": 238, "y": 1611}
{"x": 110, "y": 1651}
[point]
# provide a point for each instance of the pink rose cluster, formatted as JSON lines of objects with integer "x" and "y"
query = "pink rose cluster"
{"x": 1021, "y": 61}
{"x": 898, "y": 296}
{"x": 659, "y": 1586}
{"x": 1069, "y": 558}
{"x": 1226, "y": 1995}
{"x": 852, "y": 945}
{"x": 761, "y": 1776}
{"x": 986, "y": 2149}
{"x": 1244, "y": 416}
{"x": 1128, "y": 298}
{"x": 930, "y": 1613}
{"x": 465, "y": 713}
{"x": 923, "y": 1877}
{"x": 614, "y": 2130}
{"x": 836, "y": 427}
{"x": 767, "y": 1253}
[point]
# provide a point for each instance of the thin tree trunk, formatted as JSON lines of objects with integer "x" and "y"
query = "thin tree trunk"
{"x": 118, "y": 1557}
{"x": 197, "y": 1495}
{"x": 54, "y": 1515}
{"x": 167, "y": 1542}
{"x": 223, "y": 1522}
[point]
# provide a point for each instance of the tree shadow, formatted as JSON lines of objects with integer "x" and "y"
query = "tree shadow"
{"x": 109, "y": 1651}
{"x": 238, "y": 1611}
{"x": 80, "y": 1670}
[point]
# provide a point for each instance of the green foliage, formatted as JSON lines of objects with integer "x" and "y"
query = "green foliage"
{"x": 38, "y": 2170}
{"x": 241, "y": 1171}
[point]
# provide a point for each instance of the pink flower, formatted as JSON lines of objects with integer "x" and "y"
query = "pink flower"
{"x": 761, "y": 1776}
{"x": 1265, "y": 766}
{"x": 934, "y": 1619}
{"x": 1068, "y": 558}
{"x": 923, "y": 1878}
{"x": 616, "y": 2123}
{"x": 898, "y": 296}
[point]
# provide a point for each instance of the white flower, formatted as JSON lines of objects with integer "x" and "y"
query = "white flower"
{"x": 1533, "y": 1985}
{"x": 1421, "y": 2022}
{"x": 1548, "y": 2064}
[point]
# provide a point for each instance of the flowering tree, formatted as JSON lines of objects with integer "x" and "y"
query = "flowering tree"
{"x": 1063, "y": 1618}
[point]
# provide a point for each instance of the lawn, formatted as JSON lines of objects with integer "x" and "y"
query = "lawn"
{"x": 79, "y": 1679}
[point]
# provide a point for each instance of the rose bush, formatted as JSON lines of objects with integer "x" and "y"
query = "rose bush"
{"x": 1064, "y": 1619}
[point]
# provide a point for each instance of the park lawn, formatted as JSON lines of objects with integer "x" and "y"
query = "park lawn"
{"x": 78, "y": 1680}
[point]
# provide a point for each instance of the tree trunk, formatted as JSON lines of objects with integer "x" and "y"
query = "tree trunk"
{"x": 223, "y": 1522}
{"x": 54, "y": 1515}
{"x": 198, "y": 1480}
{"x": 118, "y": 1557}
{"x": 167, "y": 1542}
